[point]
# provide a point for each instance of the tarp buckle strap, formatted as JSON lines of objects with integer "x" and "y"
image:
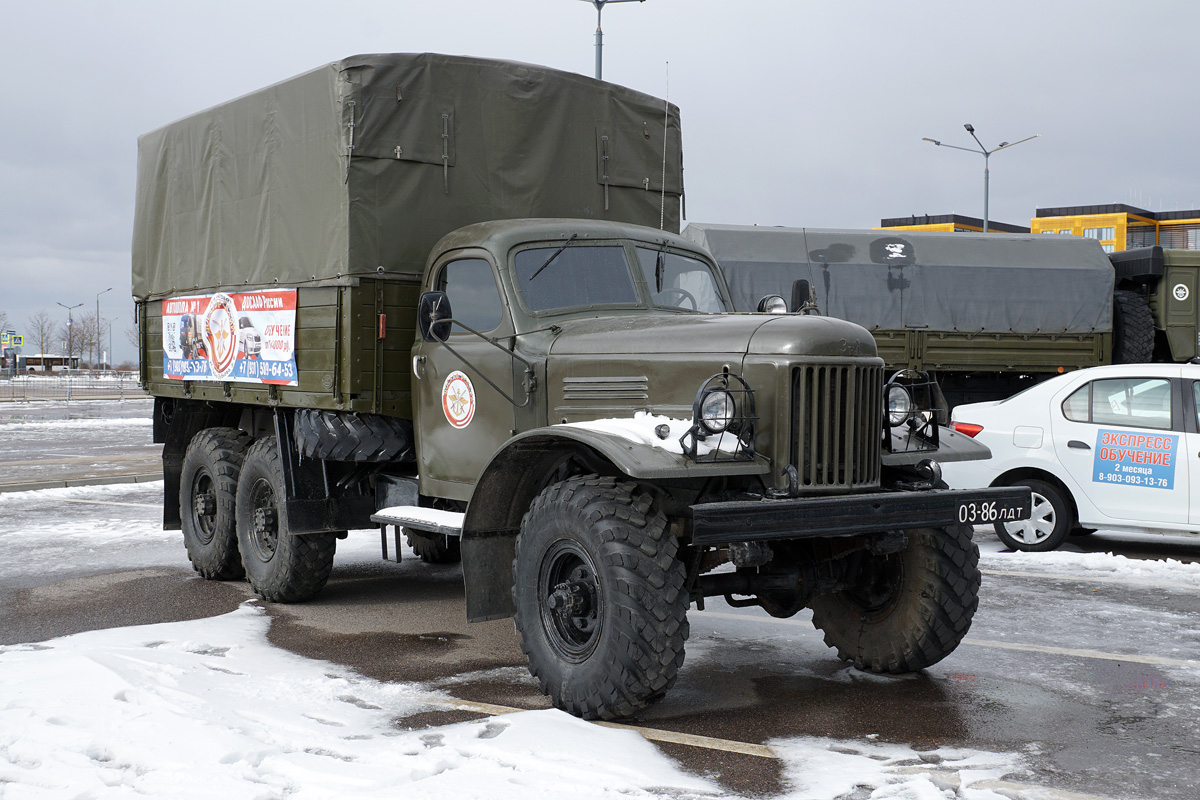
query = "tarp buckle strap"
{"x": 604, "y": 158}
{"x": 350, "y": 140}
{"x": 446, "y": 152}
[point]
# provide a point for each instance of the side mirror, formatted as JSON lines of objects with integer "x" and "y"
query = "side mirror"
{"x": 801, "y": 294}
{"x": 433, "y": 316}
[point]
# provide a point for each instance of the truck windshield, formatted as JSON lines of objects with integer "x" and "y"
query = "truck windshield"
{"x": 678, "y": 281}
{"x": 580, "y": 275}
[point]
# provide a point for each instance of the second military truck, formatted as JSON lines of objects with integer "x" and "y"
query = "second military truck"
{"x": 448, "y": 294}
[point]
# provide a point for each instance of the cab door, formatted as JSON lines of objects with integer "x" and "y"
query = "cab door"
{"x": 1121, "y": 441}
{"x": 461, "y": 419}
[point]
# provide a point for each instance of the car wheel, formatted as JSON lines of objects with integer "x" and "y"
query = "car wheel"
{"x": 1050, "y": 520}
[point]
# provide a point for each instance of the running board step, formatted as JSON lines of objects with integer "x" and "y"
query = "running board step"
{"x": 417, "y": 518}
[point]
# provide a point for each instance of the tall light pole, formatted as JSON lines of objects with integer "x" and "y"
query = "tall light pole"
{"x": 110, "y": 350}
{"x": 986, "y": 155}
{"x": 600, "y": 4}
{"x": 69, "y": 324}
{"x": 109, "y": 289}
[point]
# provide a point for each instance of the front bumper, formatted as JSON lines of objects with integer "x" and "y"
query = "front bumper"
{"x": 849, "y": 515}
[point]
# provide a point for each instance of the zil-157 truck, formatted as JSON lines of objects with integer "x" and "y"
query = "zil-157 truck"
{"x": 447, "y": 294}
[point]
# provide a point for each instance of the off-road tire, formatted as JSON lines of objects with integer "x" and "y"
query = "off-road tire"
{"x": 603, "y": 541}
{"x": 338, "y": 436}
{"x": 280, "y": 566}
{"x": 207, "y": 497}
{"x": 434, "y": 548}
{"x": 1051, "y": 518}
{"x": 911, "y": 609}
{"x": 1133, "y": 328}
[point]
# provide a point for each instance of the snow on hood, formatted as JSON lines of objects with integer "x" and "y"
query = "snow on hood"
{"x": 642, "y": 427}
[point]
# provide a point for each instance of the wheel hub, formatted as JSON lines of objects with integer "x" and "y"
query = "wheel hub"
{"x": 571, "y": 602}
{"x": 205, "y": 504}
{"x": 266, "y": 523}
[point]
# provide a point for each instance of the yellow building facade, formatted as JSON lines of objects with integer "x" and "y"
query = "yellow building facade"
{"x": 1121, "y": 227}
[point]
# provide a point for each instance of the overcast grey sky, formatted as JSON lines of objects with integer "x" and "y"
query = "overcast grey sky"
{"x": 794, "y": 112}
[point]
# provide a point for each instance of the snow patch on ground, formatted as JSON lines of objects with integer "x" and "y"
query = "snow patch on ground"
{"x": 209, "y": 709}
{"x": 1096, "y": 565}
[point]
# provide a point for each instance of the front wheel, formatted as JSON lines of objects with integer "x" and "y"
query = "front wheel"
{"x": 1050, "y": 520}
{"x": 280, "y": 566}
{"x": 905, "y": 611}
{"x": 600, "y": 600}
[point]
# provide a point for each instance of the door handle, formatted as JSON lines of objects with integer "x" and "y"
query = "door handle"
{"x": 1075, "y": 444}
{"x": 418, "y": 367}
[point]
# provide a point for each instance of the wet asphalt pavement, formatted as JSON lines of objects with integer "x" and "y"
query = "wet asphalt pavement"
{"x": 1094, "y": 681}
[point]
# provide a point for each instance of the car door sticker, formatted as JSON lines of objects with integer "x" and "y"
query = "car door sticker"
{"x": 458, "y": 399}
{"x": 1135, "y": 459}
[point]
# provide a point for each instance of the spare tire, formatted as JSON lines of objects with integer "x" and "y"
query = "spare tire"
{"x": 1133, "y": 328}
{"x": 339, "y": 436}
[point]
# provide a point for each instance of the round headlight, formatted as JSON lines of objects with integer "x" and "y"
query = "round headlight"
{"x": 772, "y": 304}
{"x": 899, "y": 405}
{"x": 716, "y": 410}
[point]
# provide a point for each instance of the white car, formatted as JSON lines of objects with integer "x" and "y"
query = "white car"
{"x": 1109, "y": 447}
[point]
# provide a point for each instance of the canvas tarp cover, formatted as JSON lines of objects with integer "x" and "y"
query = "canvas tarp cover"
{"x": 365, "y": 163}
{"x": 892, "y": 280}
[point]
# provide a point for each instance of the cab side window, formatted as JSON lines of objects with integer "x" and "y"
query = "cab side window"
{"x": 471, "y": 289}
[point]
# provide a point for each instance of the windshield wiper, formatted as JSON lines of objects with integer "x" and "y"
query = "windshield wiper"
{"x": 660, "y": 268}
{"x": 553, "y": 256}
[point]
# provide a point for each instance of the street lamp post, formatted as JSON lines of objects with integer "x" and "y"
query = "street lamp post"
{"x": 986, "y": 155}
{"x": 600, "y": 4}
{"x": 110, "y": 350}
{"x": 69, "y": 324}
{"x": 109, "y": 289}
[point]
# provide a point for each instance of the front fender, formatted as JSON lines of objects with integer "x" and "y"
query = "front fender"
{"x": 522, "y": 468}
{"x": 952, "y": 446}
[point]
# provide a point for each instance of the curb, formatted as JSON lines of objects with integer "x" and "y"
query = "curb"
{"x": 68, "y": 483}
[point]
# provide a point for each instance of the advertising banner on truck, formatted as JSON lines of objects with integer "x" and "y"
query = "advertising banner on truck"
{"x": 244, "y": 337}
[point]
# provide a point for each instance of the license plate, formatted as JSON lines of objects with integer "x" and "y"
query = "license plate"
{"x": 983, "y": 512}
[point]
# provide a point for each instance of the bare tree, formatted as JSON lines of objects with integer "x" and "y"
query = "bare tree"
{"x": 3, "y": 320}
{"x": 40, "y": 330}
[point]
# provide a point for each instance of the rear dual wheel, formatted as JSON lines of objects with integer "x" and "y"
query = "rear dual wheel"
{"x": 280, "y": 566}
{"x": 207, "y": 491}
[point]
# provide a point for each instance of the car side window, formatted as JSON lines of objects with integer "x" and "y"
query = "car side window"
{"x": 1075, "y": 407}
{"x": 471, "y": 289}
{"x": 1196, "y": 401}
{"x": 1132, "y": 402}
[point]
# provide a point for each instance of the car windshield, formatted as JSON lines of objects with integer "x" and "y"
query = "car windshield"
{"x": 678, "y": 281}
{"x": 579, "y": 275}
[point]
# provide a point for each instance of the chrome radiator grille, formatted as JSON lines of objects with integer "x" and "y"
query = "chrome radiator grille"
{"x": 837, "y": 425}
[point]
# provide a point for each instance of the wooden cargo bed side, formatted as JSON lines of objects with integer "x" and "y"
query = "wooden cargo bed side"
{"x": 338, "y": 357}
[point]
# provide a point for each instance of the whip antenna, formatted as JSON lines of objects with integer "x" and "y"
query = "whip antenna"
{"x": 662, "y": 202}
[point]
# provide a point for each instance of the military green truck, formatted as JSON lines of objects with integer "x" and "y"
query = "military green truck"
{"x": 1163, "y": 284}
{"x": 447, "y": 295}
{"x": 986, "y": 314}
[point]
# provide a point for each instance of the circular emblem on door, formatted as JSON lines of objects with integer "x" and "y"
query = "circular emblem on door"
{"x": 1180, "y": 291}
{"x": 220, "y": 334}
{"x": 458, "y": 399}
